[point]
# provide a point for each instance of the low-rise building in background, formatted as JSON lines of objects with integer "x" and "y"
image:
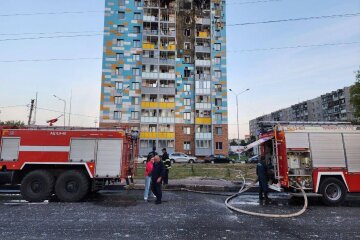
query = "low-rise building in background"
{"x": 330, "y": 107}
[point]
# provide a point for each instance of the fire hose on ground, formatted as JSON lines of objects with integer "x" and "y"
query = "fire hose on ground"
{"x": 244, "y": 189}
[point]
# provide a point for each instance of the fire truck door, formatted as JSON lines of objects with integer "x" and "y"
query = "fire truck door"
{"x": 108, "y": 160}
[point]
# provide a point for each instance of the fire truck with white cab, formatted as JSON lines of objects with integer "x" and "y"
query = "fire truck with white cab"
{"x": 68, "y": 163}
{"x": 323, "y": 157}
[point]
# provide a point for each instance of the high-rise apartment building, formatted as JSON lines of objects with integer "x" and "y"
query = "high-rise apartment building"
{"x": 164, "y": 73}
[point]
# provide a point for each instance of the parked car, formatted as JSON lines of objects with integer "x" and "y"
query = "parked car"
{"x": 254, "y": 159}
{"x": 218, "y": 158}
{"x": 141, "y": 159}
{"x": 182, "y": 158}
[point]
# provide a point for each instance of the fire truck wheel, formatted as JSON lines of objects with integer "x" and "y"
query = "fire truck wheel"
{"x": 333, "y": 191}
{"x": 71, "y": 186}
{"x": 37, "y": 186}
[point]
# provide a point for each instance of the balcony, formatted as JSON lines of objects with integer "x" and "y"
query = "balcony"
{"x": 167, "y": 90}
{"x": 169, "y": 120}
{"x": 166, "y": 135}
{"x": 150, "y": 18}
{"x": 203, "y": 34}
{"x": 168, "y": 33}
{"x": 152, "y": 61}
{"x": 202, "y": 91}
{"x": 149, "y": 46}
{"x": 171, "y": 47}
{"x": 167, "y": 61}
{"x": 203, "y": 136}
{"x": 167, "y": 76}
{"x": 168, "y": 19}
{"x": 166, "y": 105}
{"x": 154, "y": 135}
{"x": 148, "y": 135}
{"x": 201, "y": 121}
{"x": 150, "y": 32}
{"x": 202, "y": 77}
{"x": 161, "y": 90}
{"x": 202, "y": 49}
{"x": 149, "y": 105}
{"x": 203, "y": 63}
{"x": 149, "y": 119}
{"x": 203, "y": 106}
{"x": 203, "y": 21}
{"x": 161, "y": 105}
{"x": 150, "y": 75}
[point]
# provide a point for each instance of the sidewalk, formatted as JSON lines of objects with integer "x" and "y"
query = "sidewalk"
{"x": 193, "y": 183}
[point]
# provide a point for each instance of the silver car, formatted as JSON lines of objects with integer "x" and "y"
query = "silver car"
{"x": 141, "y": 159}
{"x": 181, "y": 158}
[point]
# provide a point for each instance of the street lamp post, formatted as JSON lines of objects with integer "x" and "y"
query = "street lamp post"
{"x": 60, "y": 99}
{"x": 237, "y": 110}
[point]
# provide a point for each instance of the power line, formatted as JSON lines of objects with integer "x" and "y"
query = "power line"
{"x": 96, "y": 11}
{"x": 46, "y": 33}
{"x": 49, "y": 59}
{"x": 15, "y": 106}
{"x": 253, "y": 2}
{"x": 49, "y": 110}
{"x": 73, "y": 114}
{"x": 295, "y": 19}
{"x": 298, "y": 46}
{"x": 50, "y": 37}
{"x": 242, "y": 50}
{"x": 98, "y": 33}
{"x": 48, "y": 13}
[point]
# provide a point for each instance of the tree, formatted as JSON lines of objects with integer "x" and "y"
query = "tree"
{"x": 243, "y": 143}
{"x": 12, "y": 123}
{"x": 233, "y": 142}
{"x": 355, "y": 95}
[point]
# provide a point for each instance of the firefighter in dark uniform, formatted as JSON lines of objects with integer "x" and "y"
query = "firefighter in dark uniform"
{"x": 167, "y": 163}
{"x": 157, "y": 176}
{"x": 261, "y": 172}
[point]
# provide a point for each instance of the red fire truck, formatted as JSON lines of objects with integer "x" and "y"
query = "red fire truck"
{"x": 324, "y": 158}
{"x": 69, "y": 163}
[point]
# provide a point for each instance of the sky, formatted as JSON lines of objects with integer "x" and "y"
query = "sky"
{"x": 276, "y": 78}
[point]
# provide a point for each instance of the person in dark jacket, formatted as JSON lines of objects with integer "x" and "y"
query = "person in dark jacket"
{"x": 261, "y": 172}
{"x": 157, "y": 176}
{"x": 152, "y": 154}
{"x": 165, "y": 159}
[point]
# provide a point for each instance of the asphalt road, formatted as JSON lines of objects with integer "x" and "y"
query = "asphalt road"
{"x": 124, "y": 215}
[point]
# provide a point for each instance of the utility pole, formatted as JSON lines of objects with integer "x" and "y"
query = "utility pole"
{"x": 31, "y": 110}
{"x": 35, "y": 112}
{"x": 69, "y": 119}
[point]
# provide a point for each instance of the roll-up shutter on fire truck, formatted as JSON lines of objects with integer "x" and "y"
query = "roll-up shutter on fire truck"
{"x": 327, "y": 150}
{"x": 108, "y": 160}
{"x": 352, "y": 142}
{"x": 82, "y": 150}
{"x": 297, "y": 140}
{"x": 10, "y": 149}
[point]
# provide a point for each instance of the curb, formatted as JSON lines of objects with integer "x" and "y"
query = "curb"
{"x": 171, "y": 187}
